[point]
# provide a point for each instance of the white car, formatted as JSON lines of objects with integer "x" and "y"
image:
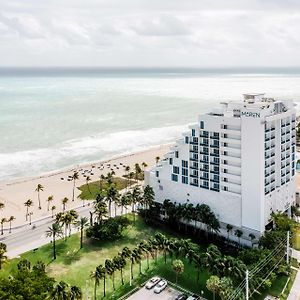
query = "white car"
{"x": 192, "y": 298}
{"x": 160, "y": 286}
{"x": 152, "y": 282}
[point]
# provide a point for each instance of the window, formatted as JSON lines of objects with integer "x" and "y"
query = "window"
{"x": 201, "y": 124}
{"x": 171, "y": 161}
{"x": 205, "y": 183}
{"x": 175, "y": 170}
{"x": 205, "y": 141}
{"x": 176, "y": 154}
{"x": 185, "y": 172}
{"x": 205, "y": 175}
{"x": 184, "y": 163}
{"x": 216, "y": 143}
{"x": 216, "y": 160}
{"x": 193, "y": 132}
{"x": 185, "y": 180}
{"x": 174, "y": 177}
{"x": 157, "y": 173}
{"x": 186, "y": 139}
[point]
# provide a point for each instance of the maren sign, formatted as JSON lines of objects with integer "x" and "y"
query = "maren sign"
{"x": 250, "y": 114}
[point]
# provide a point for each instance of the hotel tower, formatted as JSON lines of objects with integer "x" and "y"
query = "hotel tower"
{"x": 239, "y": 159}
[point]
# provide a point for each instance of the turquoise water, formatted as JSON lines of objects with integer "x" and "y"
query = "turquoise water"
{"x": 51, "y": 119}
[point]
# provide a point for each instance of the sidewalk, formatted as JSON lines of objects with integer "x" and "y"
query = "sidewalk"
{"x": 295, "y": 290}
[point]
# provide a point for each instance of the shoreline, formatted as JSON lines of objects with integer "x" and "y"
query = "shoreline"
{"x": 71, "y": 168}
{"x": 14, "y": 193}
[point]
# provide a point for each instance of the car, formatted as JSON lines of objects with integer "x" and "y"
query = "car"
{"x": 152, "y": 282}
{"x": 181, "y": 297}
{"x": 194, "y": 297}
{"x": 160, "y": 286}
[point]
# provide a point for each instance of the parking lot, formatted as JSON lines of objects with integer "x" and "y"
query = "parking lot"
{"x": 144, "y": 294}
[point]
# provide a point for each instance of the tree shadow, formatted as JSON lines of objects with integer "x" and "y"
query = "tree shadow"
{"x": 71, "y": 257}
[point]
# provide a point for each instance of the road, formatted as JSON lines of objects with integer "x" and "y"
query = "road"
{"x": 29, "y": 237}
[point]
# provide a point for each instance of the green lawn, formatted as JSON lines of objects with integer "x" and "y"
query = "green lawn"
{"x": 90, "y": 191}
{"x": 74, "y": 266}
{"x": 296, "y": 238}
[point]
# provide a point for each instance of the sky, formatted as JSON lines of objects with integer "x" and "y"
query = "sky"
{"x": 150, "y": 33}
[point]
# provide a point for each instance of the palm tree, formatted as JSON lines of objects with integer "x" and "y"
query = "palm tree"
{"x": 11, "y": 219}
{"x": 72, "y": 216}
{"x": 87, "y": 180}
{"x": 101, "y": 179}
{"x": 111, "y": 196}
{"x": 3, "y": 220}
{"x": 229, "y": 229}
{"x": 64, "y": 203}
{"x": 75, "y": 293}
{"x": 126, "y": 253}
{"x": 28, "y": 204}
{"x": 38, "y": 189}
{"x": 3, "y": 257}
{"x": 110, "y": 270}
{"x": 163, "y": 244}
{"x": 144, "y": 165}
{"x": 252, "y": 237}
{"x": 2, "y": 205}
{"x": 49, "y": 200}
{"x": 81, "y": 224}
{"x": 75, "y": 177}
{"x": 138, "y": 171}
{"x": 100, "y": 209}
{"x": 157, "y": 158}
{"x": 135, "y": 199}
{"x": 120, "y": 263}
{"x": 178, "y": 267}
{"x": 97, "y": 275}
{"x": 53, "y": 208}
{"x": 60, "y": 291}
{"x": 146, "y": 247}
{"x": 136, "y": 258}
{"x": 127, "y": 169}
{"x": 239, "y": 233}
{"x": 213, "y": 285}
{"x": 54, "y": 231}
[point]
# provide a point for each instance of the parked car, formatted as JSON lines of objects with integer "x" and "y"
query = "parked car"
{"x": 181, "y": 297}
{"x": 152, "y": 282}
{"x": 160, "y": 286}
{"x": 194, "y": 297}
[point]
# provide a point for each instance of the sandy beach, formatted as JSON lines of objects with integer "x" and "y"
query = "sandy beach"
{"x": 15, "y": 193}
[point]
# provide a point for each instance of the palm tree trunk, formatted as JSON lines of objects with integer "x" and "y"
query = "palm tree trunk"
{"x": 122, "y": 279}
{"x": 131, "y": 268}
{"x": 2, "y": 229}
{"x": 54, "y": 250}
{"x": 10, "y": 228}
{"x": 176, "y": 277}
{"x": 113, "y": 281}
{"x": 81, "y": 237}
{"x": 148, "y": 261}
{"x": 48, "y": 206}
{"x": 104, "y": 286}
{"x": 73, "y": 189}
{"x": 140, "y": 267}
{"x": 95, "y": 291}
{"x": 39, "y": 200}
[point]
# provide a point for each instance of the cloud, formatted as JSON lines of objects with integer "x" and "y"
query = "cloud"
{"x": 164, "y": 25}
{"x": 141, "y": 32}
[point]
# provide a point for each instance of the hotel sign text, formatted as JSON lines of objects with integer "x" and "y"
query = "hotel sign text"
{"x": 250, "y": 114}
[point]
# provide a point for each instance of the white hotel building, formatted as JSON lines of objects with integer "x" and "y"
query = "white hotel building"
{"x": 239, "y": 159}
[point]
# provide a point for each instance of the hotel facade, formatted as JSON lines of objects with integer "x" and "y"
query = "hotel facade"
{"x": 239, "y": 159}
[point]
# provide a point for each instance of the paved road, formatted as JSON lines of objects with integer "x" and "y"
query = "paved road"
{"x": 26, "y": 238}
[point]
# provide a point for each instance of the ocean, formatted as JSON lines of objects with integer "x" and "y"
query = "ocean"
{"x": 55, "y": 118}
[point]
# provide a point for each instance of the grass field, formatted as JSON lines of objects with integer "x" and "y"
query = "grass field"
{"x": 90, "y": 191}
{"x": 296, "y": 238}
{"x": 74, "y": 266}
